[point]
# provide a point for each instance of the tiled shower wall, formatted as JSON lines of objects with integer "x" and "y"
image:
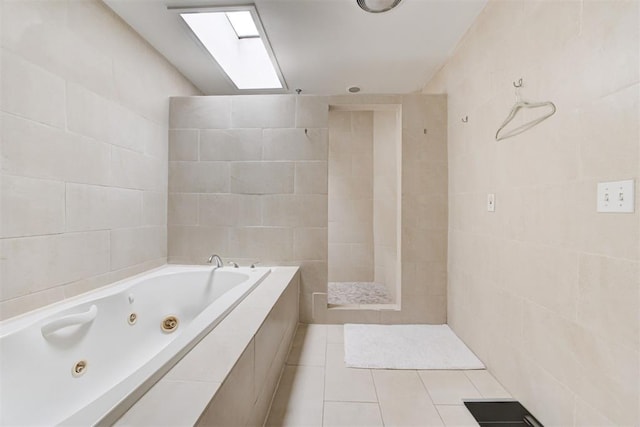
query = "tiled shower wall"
{"x": 351, "y": 175}
{"x": 247, "y": 182}
{"x": 545, "y": 290}
{"x": 84, "y": 149}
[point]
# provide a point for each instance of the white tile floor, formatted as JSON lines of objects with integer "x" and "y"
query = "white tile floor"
{"x": 316, "y": 389}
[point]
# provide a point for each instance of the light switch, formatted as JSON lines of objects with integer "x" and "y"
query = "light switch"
{"x": 491, "y": 202}
{"x": 616, "y": 196}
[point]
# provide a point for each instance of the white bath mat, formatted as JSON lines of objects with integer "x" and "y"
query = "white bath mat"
{"x": 406, "y": 347}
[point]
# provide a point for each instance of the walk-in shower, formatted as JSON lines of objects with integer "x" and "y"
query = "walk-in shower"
{"x": 364, "y": 204}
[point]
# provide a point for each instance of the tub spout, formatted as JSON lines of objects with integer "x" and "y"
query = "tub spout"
{"x": 217, "y": 259}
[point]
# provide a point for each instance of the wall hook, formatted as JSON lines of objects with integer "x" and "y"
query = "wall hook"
{"x": 519, "y": 84}
{"x": 298, "y": 91}
{"x": 306, "y": 131}
{"x": 465, "y": 119}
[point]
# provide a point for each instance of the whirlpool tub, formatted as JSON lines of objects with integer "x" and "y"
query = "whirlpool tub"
{"x": 85, "y": 360}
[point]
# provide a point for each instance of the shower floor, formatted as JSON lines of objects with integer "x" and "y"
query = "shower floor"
{"x": 341, "y": 293}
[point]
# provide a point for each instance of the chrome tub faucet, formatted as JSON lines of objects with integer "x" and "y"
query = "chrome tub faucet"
{"x": 217, "y": 259}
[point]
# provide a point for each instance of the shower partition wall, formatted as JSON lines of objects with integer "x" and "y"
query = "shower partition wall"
{"x": 364, "y": 204}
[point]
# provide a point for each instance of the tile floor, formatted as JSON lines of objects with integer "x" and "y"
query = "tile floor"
{"x": 316, "y": 389}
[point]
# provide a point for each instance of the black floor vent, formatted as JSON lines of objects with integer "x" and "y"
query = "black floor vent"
{"x": 501, "y": 413}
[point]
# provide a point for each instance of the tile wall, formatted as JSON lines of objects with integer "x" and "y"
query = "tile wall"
{"x": 545, "y": 290}
{"x": 350, "y": 177}
{"x": 247, "y": 182}
{"x": 84, "y": 118}
{"x": 386, "y": 164}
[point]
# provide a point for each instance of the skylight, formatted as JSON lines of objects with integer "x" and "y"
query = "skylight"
{"x": 233, "y": 39}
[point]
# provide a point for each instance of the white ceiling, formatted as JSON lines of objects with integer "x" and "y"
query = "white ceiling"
{"x": 322, "y": 46}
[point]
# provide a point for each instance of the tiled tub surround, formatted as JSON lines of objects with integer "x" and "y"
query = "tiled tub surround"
{"x": 245, "y": 179}
{"x": 230, "y": 377}
{"x": 84, "y": 119}
{"x": 122, "y": 355}
{"x": 545, "y": 290}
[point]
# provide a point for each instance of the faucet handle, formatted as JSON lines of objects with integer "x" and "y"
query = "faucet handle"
{"x": 234, "y": 264}
{"x": 254, "y": 264}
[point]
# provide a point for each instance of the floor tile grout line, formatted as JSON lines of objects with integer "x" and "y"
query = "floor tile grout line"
{"x": 324, "y": 376}
{"x": 375, "y": 389}
{"x": 474, "y": 385}
{"x": 430, "y": 397}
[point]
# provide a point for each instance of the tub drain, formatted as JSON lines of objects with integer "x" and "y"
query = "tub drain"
{"x": 79, "y": 368}
{"x": 132, "y": 318}
{"x": 169, "y": 324}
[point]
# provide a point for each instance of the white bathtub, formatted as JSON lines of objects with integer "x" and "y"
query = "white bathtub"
{"x": 39, "y": 350}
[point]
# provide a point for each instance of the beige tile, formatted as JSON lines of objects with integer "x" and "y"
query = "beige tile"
{"x": 311, "y": 177}
{"x": 335, "y": 334}
{"x": 130, "y": 246}
{"x": 229, "y": 210}
{"x": 309, "y": 346}
{"x": 312, "y": 111}
{"x": 586, "y": 414}
{"x": 263, "y": 111}
{"x": 344, "y": 384}
{"x": 608, "y": 299}
{"x": 183, "y": 144}
{"x": 299, "y": 399}
{"x": 593, "y": 367}
{"x": 36, "y": 150}
{"x": 310, "y": 243}
{"x": 215, "y": 356}
{"x": 295, "y": 144}
{"x": 615, "y": 113}
{"x": 199, "y": 177}
{"x": 288, "y": 210}
{"x": 264, "y": 244}
{"x": 128, "y": 129}
{"x": 87, "y": 113}
{"x": 32, "y": 92}
{"x": 130, "y": 169}
{"x": 189, "y": 399}
{"x": 90, "y": 207}
{"x": 233, "y": 403}
{"x": 488, "y": 386}
{"x": 182, "y": 209}
{"x": 194, "y": 244}
{"x": 262, "y": 177}
{"x": 403, "y": 399}
{"x": 68, "y": 257}
{"x": 31, "y": 206}
{"x": 448, "y": 387}
{"x": 231, "y": 144}
{"x": 268, "y": 341}
{"x": 351, "y": 414}
{"x": 456, "y": 416}
{"x": 154, "y": 208}
{"x": 200, "y": 112}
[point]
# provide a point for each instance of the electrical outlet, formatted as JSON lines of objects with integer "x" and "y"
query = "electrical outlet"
{"x": 491, "y": 202}
{"x": 616, "y": 196}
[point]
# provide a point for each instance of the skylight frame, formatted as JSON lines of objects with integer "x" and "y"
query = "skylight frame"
{"x": 262, "y": 35}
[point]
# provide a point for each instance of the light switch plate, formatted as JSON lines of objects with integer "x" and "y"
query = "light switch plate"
{"x": 616, "y": 196}
{"x": 491, "y": 202}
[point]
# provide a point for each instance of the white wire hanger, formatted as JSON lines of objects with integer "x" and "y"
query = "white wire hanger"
{"x": 520, "y": 104}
